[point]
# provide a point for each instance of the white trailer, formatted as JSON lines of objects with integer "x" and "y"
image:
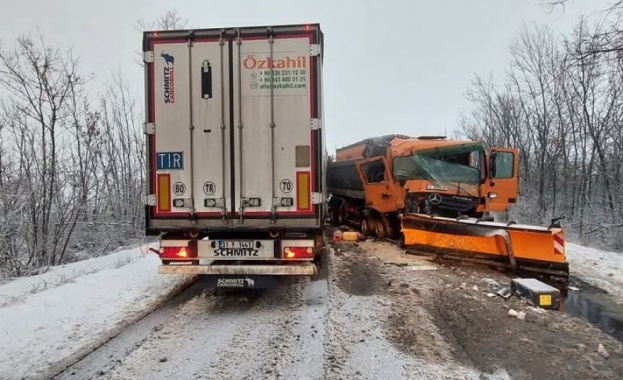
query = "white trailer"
{"x": 236, "y": 151}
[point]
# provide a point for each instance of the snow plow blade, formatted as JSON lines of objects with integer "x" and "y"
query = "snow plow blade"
{"x": 521, "y": 248}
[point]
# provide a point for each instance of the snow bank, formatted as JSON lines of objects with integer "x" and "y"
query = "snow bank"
{"x": 15, "y": 290}
{"x": 43, "y": 328}
{"x": 598, "y": 268}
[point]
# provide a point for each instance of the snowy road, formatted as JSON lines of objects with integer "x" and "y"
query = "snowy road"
{"x": 323, "y": 329}
{"x": 378, "y": 314}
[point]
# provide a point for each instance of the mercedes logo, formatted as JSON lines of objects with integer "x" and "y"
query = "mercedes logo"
{"x": 434, "y": 198}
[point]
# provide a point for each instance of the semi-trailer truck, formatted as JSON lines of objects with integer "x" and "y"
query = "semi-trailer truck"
{"x": 236, "y": 158}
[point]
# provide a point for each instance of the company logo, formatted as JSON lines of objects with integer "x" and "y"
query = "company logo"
{"x": 235, "y": 282}
{"x": 434, "y": 198}
{"x": 251, "y": 63}
{"x": 169, "y": 77}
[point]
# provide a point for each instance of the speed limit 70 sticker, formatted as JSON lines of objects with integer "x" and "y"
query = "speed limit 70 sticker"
{"x": 286, "y": 186}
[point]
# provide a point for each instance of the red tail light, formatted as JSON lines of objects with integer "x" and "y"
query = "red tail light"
{"x": 298, "y": 252}
{"x": 178, "y": 252}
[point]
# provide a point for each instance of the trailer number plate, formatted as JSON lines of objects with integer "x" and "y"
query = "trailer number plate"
{"x": 245, "y": 248}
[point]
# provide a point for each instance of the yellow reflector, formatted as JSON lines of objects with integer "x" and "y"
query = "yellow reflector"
{"x": 164, "y": 192}
{"x": 302, "y": 191}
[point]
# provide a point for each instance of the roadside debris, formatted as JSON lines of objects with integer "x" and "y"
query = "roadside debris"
{"x": 517, "y": 314}
{"x": 536, "y": 292}
{"x": 505, "y": 293}
{"x": 343, "y": 234}
{"x": 536, "y": 309}
{"x": 491, "y": 282}
{"x": 601, "y": 350}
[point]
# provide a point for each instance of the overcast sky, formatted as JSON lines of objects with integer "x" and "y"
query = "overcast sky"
{"x": 390, "y": 66}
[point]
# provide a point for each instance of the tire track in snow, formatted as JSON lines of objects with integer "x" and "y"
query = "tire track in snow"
{"x": 278, "y": 334}
{"x": 181, "y": 347}
{"x": 360, "y": 337}
{"x": 262, "y": 341}
{"x": 308, "y": 356}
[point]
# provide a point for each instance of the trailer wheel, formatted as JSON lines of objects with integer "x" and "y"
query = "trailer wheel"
{"x": 365, "y": 227}
{"x": 322, "y": 264}
{"x": 341, "y": 217}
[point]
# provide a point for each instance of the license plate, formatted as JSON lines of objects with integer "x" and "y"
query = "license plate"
{"x": 232, "y": 248}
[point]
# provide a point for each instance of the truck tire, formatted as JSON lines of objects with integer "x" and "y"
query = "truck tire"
{"x": 322, "y": 265}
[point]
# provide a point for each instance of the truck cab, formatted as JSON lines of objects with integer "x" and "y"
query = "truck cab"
{"x": 456, "y": 178}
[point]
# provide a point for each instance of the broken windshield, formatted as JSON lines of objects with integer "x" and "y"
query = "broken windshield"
{"x": 451, "y": 164}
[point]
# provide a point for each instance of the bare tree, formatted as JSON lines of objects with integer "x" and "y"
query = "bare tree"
{"x": 563, "y": 109}
{"x": 39, "y": 80}
{"x": 169, "y": 20}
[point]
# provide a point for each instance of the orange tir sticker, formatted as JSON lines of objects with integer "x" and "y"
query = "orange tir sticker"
{"x": 303, "y": 201}
{"x": 164, "y": 192}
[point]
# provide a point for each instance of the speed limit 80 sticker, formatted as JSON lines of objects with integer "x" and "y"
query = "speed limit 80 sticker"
{"x": 179, "y": 188}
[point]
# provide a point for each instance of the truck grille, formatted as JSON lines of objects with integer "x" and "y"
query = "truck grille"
{"x": 457, "y": 203}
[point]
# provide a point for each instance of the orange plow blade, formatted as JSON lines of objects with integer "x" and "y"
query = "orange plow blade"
{"x": 521, "y": 248}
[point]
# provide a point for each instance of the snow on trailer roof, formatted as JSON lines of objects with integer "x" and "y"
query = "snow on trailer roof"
{"x": 231, "y": 30}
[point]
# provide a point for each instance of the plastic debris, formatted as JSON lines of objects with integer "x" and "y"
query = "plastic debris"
{"x": 505, "y": 292}
{"x": 491, "y": 282}
{"x": 601, "y": 350}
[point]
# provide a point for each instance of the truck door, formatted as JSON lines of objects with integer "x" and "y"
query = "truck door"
{"x": 274, "y": 136}
{"x": 377, "y": 184}
{"x": 502, "y": 183}
{"x": 189, "y": 137}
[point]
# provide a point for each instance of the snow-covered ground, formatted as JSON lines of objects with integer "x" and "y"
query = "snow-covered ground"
{"x": 49, "y": 320}
{"x": 598, "y": 268}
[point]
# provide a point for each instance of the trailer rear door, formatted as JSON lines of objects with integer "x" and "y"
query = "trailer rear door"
{"x": 234, "y": 127}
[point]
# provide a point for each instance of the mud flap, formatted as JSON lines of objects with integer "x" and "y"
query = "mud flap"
{"x": 239, "y": 281}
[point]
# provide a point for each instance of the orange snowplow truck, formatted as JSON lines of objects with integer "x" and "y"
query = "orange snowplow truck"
{"x": 372, "y": 181}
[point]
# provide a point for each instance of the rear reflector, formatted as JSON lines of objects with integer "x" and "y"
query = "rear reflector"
{"x": 303, "y": 201}
{"x": 298, "y": 252}
{"x": 164, "y": 192}
{"x": 559, "y": 244}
